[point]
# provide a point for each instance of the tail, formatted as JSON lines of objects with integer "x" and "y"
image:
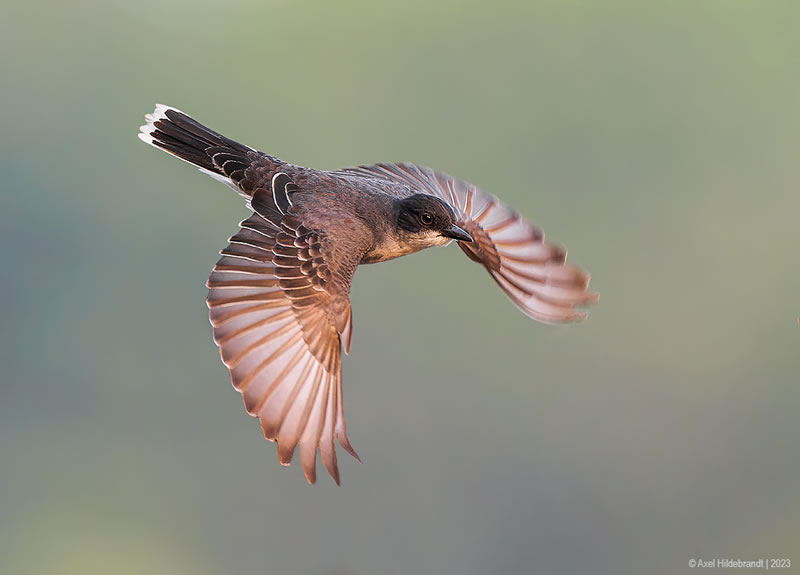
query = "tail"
{"x": 213, "y": 154}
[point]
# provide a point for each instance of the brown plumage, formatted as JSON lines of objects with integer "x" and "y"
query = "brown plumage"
{"x": 279, "y": 295}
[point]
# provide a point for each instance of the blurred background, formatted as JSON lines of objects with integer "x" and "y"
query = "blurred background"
{"x": 658, "y": 141}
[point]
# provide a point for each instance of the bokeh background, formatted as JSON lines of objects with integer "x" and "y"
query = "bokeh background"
{"x": 658, "y": 141}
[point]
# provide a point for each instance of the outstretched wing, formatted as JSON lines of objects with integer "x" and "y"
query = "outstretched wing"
{"x": 280, "y": 310}
{"x": 533, "y": 274}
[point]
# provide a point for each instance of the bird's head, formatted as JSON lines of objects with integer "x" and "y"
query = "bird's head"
{"x": 428, "y": 221}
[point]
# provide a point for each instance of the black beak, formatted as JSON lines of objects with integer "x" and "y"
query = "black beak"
{"x": 457, "y": 233}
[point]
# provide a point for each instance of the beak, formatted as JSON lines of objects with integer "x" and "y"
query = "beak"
{"x": 457, "y": 233}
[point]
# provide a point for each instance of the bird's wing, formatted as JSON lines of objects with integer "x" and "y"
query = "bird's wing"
{"x": 533, "y": 274}
{"x": 280, "y": 310}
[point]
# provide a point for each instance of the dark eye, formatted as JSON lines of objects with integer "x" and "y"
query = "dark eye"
{"x": 425, "y": 219}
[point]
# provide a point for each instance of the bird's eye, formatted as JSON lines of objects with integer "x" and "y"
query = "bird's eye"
{"x": 425, "y": 219}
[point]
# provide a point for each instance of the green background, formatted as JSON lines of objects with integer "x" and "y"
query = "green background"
{"x": 658, "y": 141}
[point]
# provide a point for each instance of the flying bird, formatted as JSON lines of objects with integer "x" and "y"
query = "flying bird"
{"x": 278, "y": 297}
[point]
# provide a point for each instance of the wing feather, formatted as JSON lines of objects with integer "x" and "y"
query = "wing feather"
{"x": 532, "y": 273}
{"x": 280, "y": 312}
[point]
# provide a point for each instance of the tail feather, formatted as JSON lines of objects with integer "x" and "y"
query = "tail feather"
{"x": 184, "y": 137}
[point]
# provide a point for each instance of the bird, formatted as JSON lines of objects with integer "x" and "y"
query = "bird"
{"x": 278, "y": 297}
